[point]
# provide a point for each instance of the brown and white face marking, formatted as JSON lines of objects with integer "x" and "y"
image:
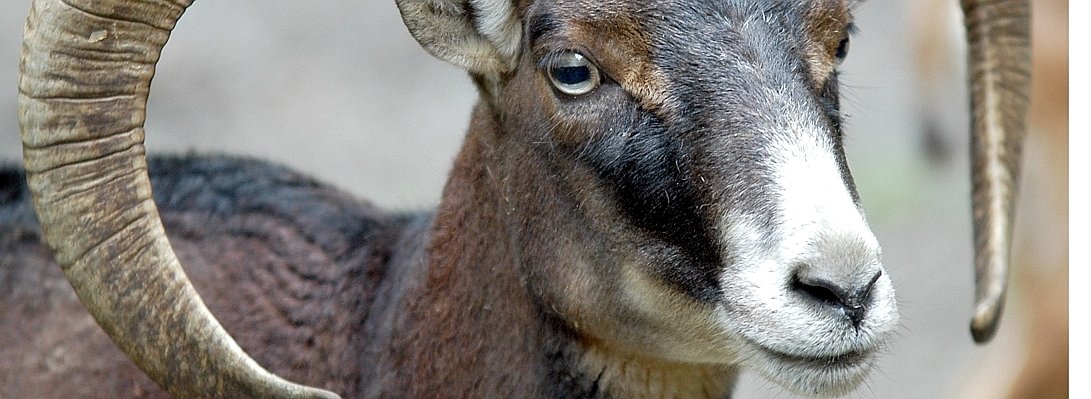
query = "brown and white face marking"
{"x": 675, "y": 184}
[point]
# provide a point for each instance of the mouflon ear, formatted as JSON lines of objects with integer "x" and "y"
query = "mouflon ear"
{"x": 481, "y": 36}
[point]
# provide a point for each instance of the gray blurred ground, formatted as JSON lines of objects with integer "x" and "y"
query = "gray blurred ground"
{"x": 340, "y": 90}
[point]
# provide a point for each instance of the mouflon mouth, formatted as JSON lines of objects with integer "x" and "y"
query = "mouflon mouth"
{"x": 848, "y": 359}
{"x": 824, "y": 375}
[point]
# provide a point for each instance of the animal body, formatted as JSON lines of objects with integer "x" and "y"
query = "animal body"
{"x": 651, "y": 197}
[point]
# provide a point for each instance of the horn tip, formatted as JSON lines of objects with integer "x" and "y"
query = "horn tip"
{"x": 985, "y": 321}
{"x": 323, "y": 394}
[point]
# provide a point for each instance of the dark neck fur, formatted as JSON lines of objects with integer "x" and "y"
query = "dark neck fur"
{"x": 464, "y": 314}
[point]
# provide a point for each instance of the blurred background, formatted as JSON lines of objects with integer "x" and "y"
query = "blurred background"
{"x": 340, "y": 90}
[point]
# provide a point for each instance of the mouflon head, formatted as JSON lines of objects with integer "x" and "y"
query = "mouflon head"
{"x": 673, "y": 179}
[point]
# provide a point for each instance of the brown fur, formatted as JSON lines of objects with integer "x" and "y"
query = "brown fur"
{"x": 826, "y": 24}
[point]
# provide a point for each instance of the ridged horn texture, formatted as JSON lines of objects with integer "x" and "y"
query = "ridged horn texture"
{"x": 85, "y": 72}
{"x": 999, "y": 36}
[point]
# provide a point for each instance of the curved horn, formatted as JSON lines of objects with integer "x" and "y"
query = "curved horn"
{"x": 999, "y": 36}
{"x": 85, "y": 72}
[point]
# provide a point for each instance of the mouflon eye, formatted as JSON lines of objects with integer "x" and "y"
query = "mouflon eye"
{"x": 842, "y": 50}
{"x": 573, "y": 74}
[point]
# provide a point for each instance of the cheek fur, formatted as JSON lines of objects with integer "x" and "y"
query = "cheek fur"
{"x": 644, "y": 168}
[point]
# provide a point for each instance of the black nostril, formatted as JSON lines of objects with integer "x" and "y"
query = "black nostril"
{"x": 822, "y": 290}
{"x": 851, "y": 301}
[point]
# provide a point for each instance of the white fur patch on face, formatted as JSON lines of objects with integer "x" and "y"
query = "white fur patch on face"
{"x": 804, "y": 343}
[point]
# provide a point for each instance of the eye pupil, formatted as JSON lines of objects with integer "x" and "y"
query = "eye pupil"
{"x": 572, "y": 75}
